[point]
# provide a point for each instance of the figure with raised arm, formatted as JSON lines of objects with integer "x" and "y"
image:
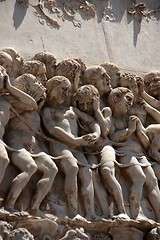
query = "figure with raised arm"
{"x": 87, "y": 100}
{"x": 139, "y": 170}
{"x": 22, "y": 135}
{"x": 10, "y": 97}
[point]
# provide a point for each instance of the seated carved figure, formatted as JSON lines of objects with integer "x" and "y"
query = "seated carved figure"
{"x": 71, "y": 69}
{"x": 87, "y": 100}
{"x": 49, "y": 60}
{"x": 61, "y": 121}
{"x": 9, "y": 97}
{"x": 22, "y": 136}
{"x": 139, "y": 170}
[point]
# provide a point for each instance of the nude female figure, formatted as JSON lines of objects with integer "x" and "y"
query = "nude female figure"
{"x": 60, "y": 120}
{"x": 140, "y": 171}
{"x": 23, "y": 138}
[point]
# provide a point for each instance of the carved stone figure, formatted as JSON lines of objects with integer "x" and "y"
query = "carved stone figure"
{"x": 70, "y": 69}
{"x": 6, "y": 61}
{"x": 20, "y": 233}
{"x": 60, "y": 120}
{"x": 87, "y": 99}
{"x": 140, "y": 171}
{"x": 49, "y": 60}
{"x": 36, "y": 68}
{"x": 114, "y": 72}
{"x": 97, "y": 76}
{"x": 152, "y": 83}
{"x": 17, "y": 62}
{"x": 22, "y": 136}
{"x": 10, "y": 96}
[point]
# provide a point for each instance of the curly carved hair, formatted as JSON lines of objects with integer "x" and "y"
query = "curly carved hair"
{"x": 5, "y": 57}
{"x": 116, "y": 94}
{"x": 49, "y": 60}
{"x": 55, "y": 81}
{"x": 24, "y": 81}
{"x": 68, "y": 68}
{"x": 91, "y": 75}
{"x": 150, "y": 76}
{"x": 34, "y": 67}
{"x": 85, "y": 92}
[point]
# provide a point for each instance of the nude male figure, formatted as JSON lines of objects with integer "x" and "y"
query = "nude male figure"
{"x": 87, "y": 100}
{"x": 60, "y": 120}
{"x": 140, "y": 171}
{"x": 23, "y": 138}
{"x": 10, "y": 97}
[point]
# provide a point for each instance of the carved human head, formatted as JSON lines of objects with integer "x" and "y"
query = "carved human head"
{"x": 129, "y": 80}
{"x": 120, "y": 100}
{"x": 17, "y": 61}
{"x": 70, "y": 69}
{"x": 49, "y": 60}
{"x": 152, "y": 83}
{"x": 29, "y": 84}
{"x": 114, "y": 72}
{"x": 58, "y": 89}
{"x": 97, "y": 76}
{"x": 36, "y": 68}
{"x": 83, "y": 98}
{"x": 6, "y": 61}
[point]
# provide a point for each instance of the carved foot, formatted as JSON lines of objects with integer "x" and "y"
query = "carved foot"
{"x": 78, "y": 217}
{"x": 121, "y": 216}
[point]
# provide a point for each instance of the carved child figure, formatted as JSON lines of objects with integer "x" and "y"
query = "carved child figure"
{"x": 139, "y": 170}
{"x": 60, "y": 120}
{"x": 22, "y": 136}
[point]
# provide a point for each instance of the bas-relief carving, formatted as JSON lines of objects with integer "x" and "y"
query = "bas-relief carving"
{"x": 67, "y": 10}
{"x": 79, "y": 149}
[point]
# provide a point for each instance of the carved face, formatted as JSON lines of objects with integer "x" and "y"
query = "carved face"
{"x": 129, "y": 81}
{"x": 60, "y": 92}
{"x": 85, "y": 105}
{"x": 17, "y": 61}
{"x": 37, "y": 90}
{"x": 103, "y": 83}
{"x": 154, "y": 86}
{"x": 124, "y": 103}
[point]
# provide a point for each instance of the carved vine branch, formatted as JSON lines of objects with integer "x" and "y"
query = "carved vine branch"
{"x": 142, "y": 10}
